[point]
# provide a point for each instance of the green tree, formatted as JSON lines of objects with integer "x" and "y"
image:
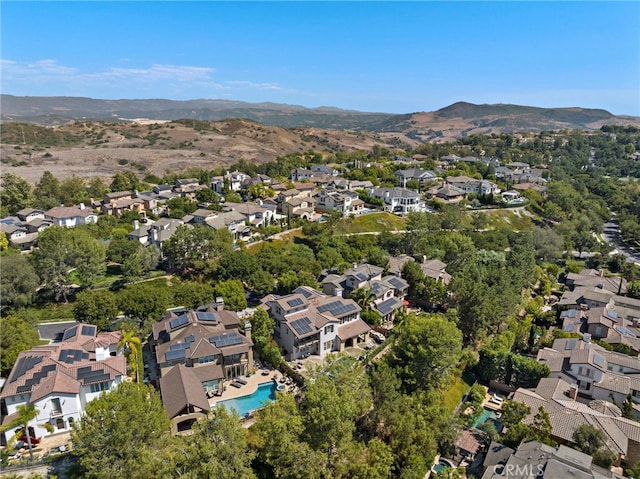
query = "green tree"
{"x": 18, "y": 281}
{"x": 230, "y": 457}
{"x": 96, "y": 307}
{"x": 125, "y": 181}
{"x": 15, "y": 194}
{"x": 191, "y": 294}
{"x": 132, "y": 346}
{"x": 513, "y": 413}
{"x": 588, "y": 438}
{"x": 189, "y": 250}
{"x": 47, "y": 192}
{"x": 541, "y": 426}
{"x": 120, "y": 434}
{"x": 16, "y": 335}
{"x": 141, "y": 262}
{"x": 25, "y": 413}
{"x": 73, "y": 191}
{"x": 278, "y": 440}
{"x": 233, "y": 294}
{"x": 261, "y": 282}
{"x": 62, "y": 251}
{"x": 146, "y": 302}
{"x": 426, "y": 348}
{"x": 97, "y": 188}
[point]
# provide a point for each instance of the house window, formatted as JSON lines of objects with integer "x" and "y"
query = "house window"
{"x": 59, "y": 423}
{"x": 588, "y": 386}
{"x": 97, "y": 387}
{"x": 327, "y": 345}
{"x": 328, "y": 329}
{"x": 598, "y": 330}
{"x": 56, "y": 407}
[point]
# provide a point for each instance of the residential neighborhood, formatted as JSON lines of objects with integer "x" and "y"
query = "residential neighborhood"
{"x": 234, "y": 299}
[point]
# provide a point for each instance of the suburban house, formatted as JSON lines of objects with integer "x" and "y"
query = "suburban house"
{"x": 70, "y": 216}
{"x": 309, "y": 322}
{"x": 343, "y": 184}
{"x": 595, "y": 372}
{"x": 188, "y": 187}
{"x": 400, "y": 201}
{"x": 155, "y": 233}
{"x": 234, "y": 221}
{"x": 116, "y": 203}
{"x": 235, "y": 179}
{"x": 473, "y": 185}
{"x": 298, "y": 207}
{"x": 61, "y": 378}
{"x": 416, "y": 174}
{"x": 256, "y": 215}
{"x": 604, "y": 324}
{"x": 446, "y": 193}
{"x": 196, "y": 352}
{"x": 535, "y": 459}
{"x": 558, "y": 398}
{"x": 386, "y": 294}
{"x": 330, "y": 199}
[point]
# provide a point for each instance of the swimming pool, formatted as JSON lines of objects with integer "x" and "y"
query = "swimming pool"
{"x": 244, "y": 405}
{"x": 489, "y": 416}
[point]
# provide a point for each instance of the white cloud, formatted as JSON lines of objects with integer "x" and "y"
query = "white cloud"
{"x": 254, "y": 85}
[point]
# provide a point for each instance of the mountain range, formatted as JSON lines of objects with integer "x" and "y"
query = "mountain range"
{"x": 456, "y": 120}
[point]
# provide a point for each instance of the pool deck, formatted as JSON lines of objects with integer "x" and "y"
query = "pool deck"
{"x": 232, "y": 392}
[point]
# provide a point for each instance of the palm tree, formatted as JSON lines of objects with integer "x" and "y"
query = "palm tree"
{"x": 363, "y": 297}
{"x": 25, "y": 413}
{"x": 132, "y": 346}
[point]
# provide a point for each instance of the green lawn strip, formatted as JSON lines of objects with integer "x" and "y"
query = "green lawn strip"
{"x": 456, "y": 391}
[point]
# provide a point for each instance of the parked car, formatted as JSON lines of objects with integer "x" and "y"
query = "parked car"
{"x": 34, "y": 440}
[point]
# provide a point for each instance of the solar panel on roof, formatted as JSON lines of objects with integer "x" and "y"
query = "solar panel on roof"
{"x": 568, "y": 328}
{"x": 598, "y": 360}
{"x": 387, "y": 306}
{"x": 302, "y": 325}
{"x": 570, "y": 344}
{"x": 295, "y": 302}
{"x": 25, "y": 364}
{"x": 88, "y": 330}
{"x": 626, "y": 331}
{"x": 176, "y": 354}
{"x": 70, "y": 333}
{"x": 205, "y": 316}
{"x": 328, "y": 307}
{"x": 179, "y": 321}
{"x": 228, "y": 339}
{"x": 189, "y": 339}
{"x": 179, "y": 346}
{"x": 612, "y": 314}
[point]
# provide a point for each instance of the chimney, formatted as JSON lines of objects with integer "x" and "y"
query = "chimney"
{"x": 573, "y": 391}
{"x": 247, "y": 333}
{"x": 81, "y": 206}
{"x": 136, "y": 225}
{"x": 219, "y": 303}
{"x": 586, "y": 337}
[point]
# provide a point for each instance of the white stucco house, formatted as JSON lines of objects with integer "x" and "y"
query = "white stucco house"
{"x": 60, "y": 379}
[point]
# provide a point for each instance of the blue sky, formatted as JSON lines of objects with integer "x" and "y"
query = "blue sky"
{"x": 396, "y": 57}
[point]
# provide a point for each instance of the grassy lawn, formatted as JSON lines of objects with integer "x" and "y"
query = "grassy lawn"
{"x": 517, "y": 221}
{"x": 45, "y": 314}
{"x": 371, "y": 223}
{"x": 285, "y": 237}
{"x": 456, "y": 391}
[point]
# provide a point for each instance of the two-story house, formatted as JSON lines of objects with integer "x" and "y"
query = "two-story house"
{"x": 311, "y": 323}
{"x": 416, "y": 174}
{"x": 70, "y": 216}
{"x": 61, "y": 378}
{"x": 400, "y": 201}
{"x": 196, "y": 351}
